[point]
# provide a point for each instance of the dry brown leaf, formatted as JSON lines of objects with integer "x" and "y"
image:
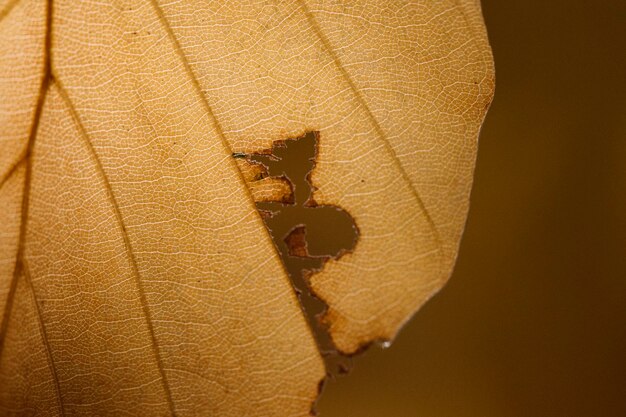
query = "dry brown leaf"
{"x": 136, "y": 275}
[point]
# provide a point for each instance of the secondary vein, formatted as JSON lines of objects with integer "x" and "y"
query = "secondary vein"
{"x": 44, "y": 337}
{"x": 129, "y": 249}
{"x": 219, "y": 130}
{"x": 379, "y": 130}
{"x": 12, "y": 170}
{"x": 8, "y": 8}
{"x": 43, "y": 90}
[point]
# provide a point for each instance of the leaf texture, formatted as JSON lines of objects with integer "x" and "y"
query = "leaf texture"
{"x": 136, "y": 275}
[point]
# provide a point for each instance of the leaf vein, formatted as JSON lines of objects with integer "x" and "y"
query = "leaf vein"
{"x": 13, "y": 169}
{"x": 8, "y": 8}
{"x": 220, "y": 132}
{"x": 43, "y": 90}
{"x": 129, "y": 249}
{"x": 207, "y": 107}
{"x": 379, "y": 130}
{"x": 44, "y": 336}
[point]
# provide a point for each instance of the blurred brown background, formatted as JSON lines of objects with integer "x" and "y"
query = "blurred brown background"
{"x": 533, "y": 321}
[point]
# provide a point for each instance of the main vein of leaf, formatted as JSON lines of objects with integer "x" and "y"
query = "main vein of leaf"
{"x": 379, "y": 130}
{"x": 129, "y": 249}
{"x": 27, "y": 159}
{"x": 20, "y": 266}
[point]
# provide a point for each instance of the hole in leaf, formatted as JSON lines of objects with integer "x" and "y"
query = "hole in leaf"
{"x": 306, "y": 234}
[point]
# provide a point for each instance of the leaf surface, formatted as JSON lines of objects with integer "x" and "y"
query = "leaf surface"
{"x": 136, "y": 275}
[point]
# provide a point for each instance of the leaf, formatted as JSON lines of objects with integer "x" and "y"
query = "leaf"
{"x": 136, "y": 275}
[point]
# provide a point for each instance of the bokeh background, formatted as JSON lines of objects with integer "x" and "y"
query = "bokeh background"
{"x": 533, "y": 321}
